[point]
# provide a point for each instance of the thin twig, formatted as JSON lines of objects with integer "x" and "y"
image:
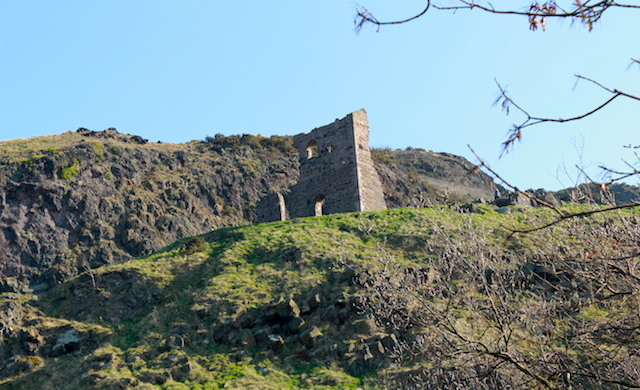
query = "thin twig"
{"x": 541, "y": 202}
{"x": 562, "y": 216}
{"x": 621, "y": 175}
{"x": 571, "y": 216}
{"x": 364, "y": 16}
{"x": 515, "y": 134}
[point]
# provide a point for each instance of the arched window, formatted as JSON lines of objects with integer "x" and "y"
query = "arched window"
{"x": 312, "y": 149}
{"x": 319, "y": 206}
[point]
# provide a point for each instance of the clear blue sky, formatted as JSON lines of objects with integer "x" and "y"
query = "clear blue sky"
{"x": 176, "y": 71}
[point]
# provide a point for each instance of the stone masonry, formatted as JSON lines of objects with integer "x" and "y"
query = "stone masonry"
{"x": 337, "y": 174}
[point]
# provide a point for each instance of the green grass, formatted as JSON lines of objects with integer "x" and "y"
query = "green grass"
{"x": 25, "y": 148}
{"x": 206, "y": 280}
{"x": 70, "y": 171}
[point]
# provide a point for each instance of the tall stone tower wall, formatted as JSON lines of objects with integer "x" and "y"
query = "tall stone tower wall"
{"x": 337, "y": 174}
{"x": 369, "y": 186}
{"x": 328, "y": 170}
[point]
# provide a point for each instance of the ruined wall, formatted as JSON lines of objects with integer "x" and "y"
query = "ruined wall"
{"x": 369, "y": 186}
{"x": 337, "y": 174}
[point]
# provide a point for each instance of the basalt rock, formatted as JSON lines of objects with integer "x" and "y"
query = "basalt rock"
{"x": 105, "y": 197}
{"x": 81, "y": 200}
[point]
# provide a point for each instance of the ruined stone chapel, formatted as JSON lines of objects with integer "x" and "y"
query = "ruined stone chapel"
{"x": 337, "y": 174}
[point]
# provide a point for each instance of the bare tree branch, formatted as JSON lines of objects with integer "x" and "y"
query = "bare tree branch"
{"x": 485, "y": 166}
{"x": 515, "y": 133}
{"x": 363, "y": 16}
{"x": 586, "y": 12}
{"x": 620, "y": 175}
{"x": 562, "y": 216}
{"x": 572, "y": 216}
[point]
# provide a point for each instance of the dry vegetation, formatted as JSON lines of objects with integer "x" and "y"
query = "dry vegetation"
{"x": 562, "y": 313}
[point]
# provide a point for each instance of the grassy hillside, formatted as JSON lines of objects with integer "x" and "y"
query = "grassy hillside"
{"x": 405, "y": 298}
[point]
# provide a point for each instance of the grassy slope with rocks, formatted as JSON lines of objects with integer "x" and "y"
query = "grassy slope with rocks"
{"x": 313, "y": 303}
{"x": 84, "y": 199}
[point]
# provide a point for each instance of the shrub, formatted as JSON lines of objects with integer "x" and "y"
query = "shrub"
{"x": 71, "y": 171}
{"x": 193, "y": 245}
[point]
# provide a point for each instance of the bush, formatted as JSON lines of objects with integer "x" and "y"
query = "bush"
{"x": 193, "y": 245}
{"x": 71, "y": 171}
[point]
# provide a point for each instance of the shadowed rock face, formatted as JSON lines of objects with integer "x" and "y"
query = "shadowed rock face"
{"x": 107, "y": 197}
{"x": 81, "y": 200}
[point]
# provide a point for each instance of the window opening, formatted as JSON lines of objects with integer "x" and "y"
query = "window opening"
{"x": 283, "y": 207}
{"x": 319, "y": 207}
{"x": 312, "y": 149}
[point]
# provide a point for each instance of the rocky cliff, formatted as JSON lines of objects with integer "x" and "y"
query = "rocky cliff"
{"x": 83, "y": 199}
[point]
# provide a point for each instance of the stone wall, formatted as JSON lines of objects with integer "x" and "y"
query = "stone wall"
{"x": 369, "y": 186}
{"x": 337, "y": 174}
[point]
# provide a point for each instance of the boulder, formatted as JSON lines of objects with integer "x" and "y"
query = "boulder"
{"x": 288, "y": 310}
{"x": 376, "y": 348}
{"x": 347, "y": 349}
{"x": 296, "y": 325}
{"x": 314, "y": 302}
{"x": 247, "y": 339}
{"x": 219, "y": 332}
{"x": 309, "y": 337}
{"x": 261, "y": 336}
{"x": 176, "y": 341}
{"x": 66, "y": 342}
{"x": 246, "y": 321}
{"x": 365, "y": 326}
{"x": 182, "y": 372}
{"x": 366, "y": 353}
{"x": 389, "y": 341}
{"x": 276, "y": 343}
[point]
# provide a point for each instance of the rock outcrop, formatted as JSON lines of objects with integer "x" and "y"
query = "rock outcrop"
{"x": 85, "y": 199}
{"x": 416, "y": 178}
{"x": 79, "y": 200}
